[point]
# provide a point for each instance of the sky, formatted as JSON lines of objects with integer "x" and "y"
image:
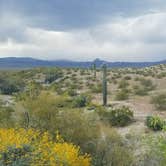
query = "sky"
{"x": 81, "y": 30}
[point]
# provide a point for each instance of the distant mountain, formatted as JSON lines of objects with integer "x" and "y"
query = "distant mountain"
{"x": 17, "y": 63}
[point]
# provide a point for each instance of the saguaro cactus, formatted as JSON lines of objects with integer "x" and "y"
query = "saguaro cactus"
{"x": 104, "y": 84}
{"x": 94, "y": 69}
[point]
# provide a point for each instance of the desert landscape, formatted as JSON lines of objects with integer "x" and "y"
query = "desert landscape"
{"x": 70, "y": 101}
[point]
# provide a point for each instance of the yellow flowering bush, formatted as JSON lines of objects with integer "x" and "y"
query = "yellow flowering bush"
{"x": 40, "y": 149}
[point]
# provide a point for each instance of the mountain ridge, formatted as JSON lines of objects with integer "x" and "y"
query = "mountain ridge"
{"x": 26, "y": 62}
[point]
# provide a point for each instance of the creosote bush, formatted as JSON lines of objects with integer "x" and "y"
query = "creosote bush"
{"x": 51, "y": 113}
{"x": 117, "y": 116}
{"x": 123, "y": 84}
{"x": 146, "y": 85}
{"x": 111, "y": 150}
{"x": 138, "y": 90}
{"x": 6, "y": 119}
{"x": 96, "y": 88}
{"x": 123, "y": 94}
{"x": 159, "y": 101}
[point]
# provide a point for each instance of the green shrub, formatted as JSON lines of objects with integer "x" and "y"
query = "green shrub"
{"x": 11, "y": 82}
{"x": 71, "y": 92}
{"x": 159, "y": 101}
{"x": 53, "y": 113}
{"x": 155, "y": 123}
{"x": 117, "y": 116}
{"x": 6, "y": 119}
{"x": 80, "y": 101}
{"x": 16, "y": 156}
{"x": 123, "y": 94}
{"x": 127, "y": 78}
{"x": 123, "y": 84}
{"x": 96, "y": 88}
{"x": 52, "y": 75}
{"x": 157, "y": 146}
{"x": 57, "y": 87}
{"x": 78, "y": 127}
{"x": 161, "y": 75}
{"x": 140, "y": 90}
{"x": 147, "y": 84}
{"x": 111, "y": 151}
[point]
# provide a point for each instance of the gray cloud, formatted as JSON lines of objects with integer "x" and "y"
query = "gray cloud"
{"x": 62, "y": 14}
{"x": 115, "y": 30}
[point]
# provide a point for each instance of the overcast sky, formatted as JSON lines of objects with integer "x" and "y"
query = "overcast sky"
{"x": 114, "y": 30}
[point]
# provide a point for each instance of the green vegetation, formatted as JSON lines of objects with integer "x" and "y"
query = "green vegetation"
{"x": 155, "y": 123}
{"x": 81, "y": 101}
{"x": 123, "y": 94}
{"x": 94, "y": 69}
{"x": 159, "y": 101}
{"x": 96, "y": 88}
{"x": 123, "y": 84}
{"x": 117, "y": 116}
{"x": 145, "y": 86}
{"x": 104, "y": 85}
{"x": 99, "y": 112}
{"x": 52, "y": 75}
{"x": 6, "y": 119}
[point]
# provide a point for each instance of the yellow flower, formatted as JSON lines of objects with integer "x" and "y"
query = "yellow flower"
{"x": 45, "y": 150}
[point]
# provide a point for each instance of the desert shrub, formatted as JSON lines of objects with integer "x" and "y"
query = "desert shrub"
{"x": 117, "y": 116}
{"x": 6, "y": 119}
{"x": 71, "y": 92}
{"x": 11, "y": 82}
{"x": 155, "y": 123}
{"x": 35, "y": 148}
{"x": 44, "y": 110}
{"x": 111, "y": 150}
{"x": 96, "y": 88}
{"x": 51, "y": 113}
{"x": 136, "y": 79}
{"x": 139, "y": 90}
{"x": 57, "y": 87}
{"x": 159, "y": 101}
{"x": 161, "y": 75}
{"x": 9, "y": 89}
{"x": 82, "y": 72}
{"x": 81, "y": 101}
{"x": 147, "y": 83}
{"x": 123, "y": 84}
{"x": 127, "y": 78}
{"x": 52, "y": 74}
{"x": 16, "y": 156}
{"x": 123, "y": 94}
{"x": 121, "y": 116}
{"x": 74, "y": 86}
{"x": 32, "y": 90}
{"x": 69, "y": 72}
{"x": 146, "y": 86}
{"x": 78, "y": 127}
{"x": 117, "y": 76}
{"x": 115, "y": 81}
{"x": 157, "y": 151}
{"x": 74, "y": 75}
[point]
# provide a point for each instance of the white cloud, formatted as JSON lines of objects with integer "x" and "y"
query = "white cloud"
{"x": 125, "y": 39}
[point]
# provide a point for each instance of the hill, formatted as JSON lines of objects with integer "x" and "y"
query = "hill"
{"x": 13, "y": 62}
